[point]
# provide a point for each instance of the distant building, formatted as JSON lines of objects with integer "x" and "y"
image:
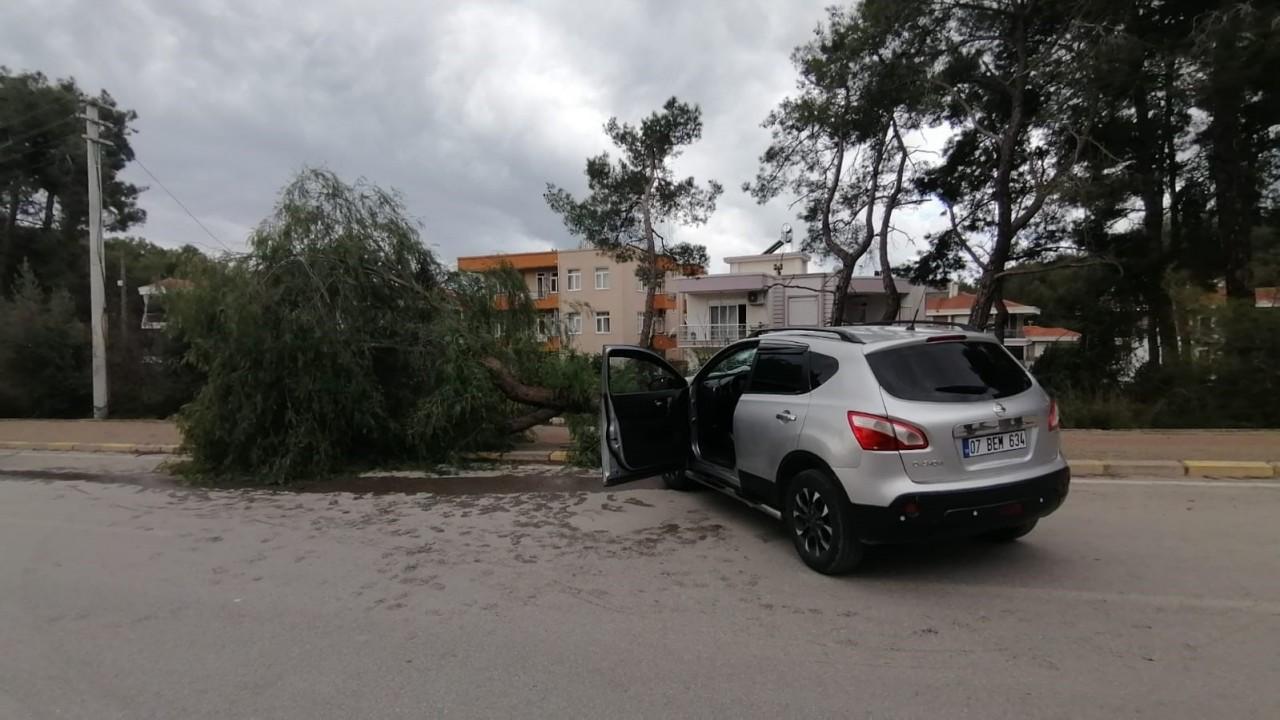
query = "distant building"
{"x": 1024, "y": 338}
{"x": 153, "y": 304}
{"x": 587, "y": 298}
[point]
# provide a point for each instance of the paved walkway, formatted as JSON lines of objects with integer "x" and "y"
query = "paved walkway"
{"x": 1099, "y": 444}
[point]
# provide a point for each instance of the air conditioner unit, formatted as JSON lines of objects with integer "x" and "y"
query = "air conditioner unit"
{"x": 755, "y": 297}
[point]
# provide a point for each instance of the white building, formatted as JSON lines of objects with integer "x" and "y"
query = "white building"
{"x": 772, "y": 290}
{"x": 1024, "y": 338}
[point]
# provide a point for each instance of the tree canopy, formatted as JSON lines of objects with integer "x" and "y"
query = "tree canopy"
{"x": 43, "y": 188}
{"x": 628, "y": 196}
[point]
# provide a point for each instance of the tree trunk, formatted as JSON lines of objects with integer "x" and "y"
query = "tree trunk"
{"x": 892, "y": 298}
{"x": 989, "y": 284}
{"x": 1153, "y": 339}
{"x": 1002, "y": 313}
{"x": 839, "y": 302}
{"x": 536, "y": 396}
{"x": 7, "y": 241}
{"x": 49, "y": 200}
{"x": 1150, "y": 174}
{"x": 1227, "y": 167}
{"x": 846, "y": 258}
{"x": 651, "y": 263}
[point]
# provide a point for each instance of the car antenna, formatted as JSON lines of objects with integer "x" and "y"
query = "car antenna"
{"x": 916, "y": 314}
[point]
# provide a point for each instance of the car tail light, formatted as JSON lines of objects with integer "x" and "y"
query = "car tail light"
{"x": 947, "y": 338}
{"x": 1054, "y": 421}
{"x": 874, "y": 432}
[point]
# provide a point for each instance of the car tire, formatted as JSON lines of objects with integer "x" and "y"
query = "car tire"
{"x": 1011, "y": 533}
{"x": 678, "y": 480}
{"x": 819, "y": 519}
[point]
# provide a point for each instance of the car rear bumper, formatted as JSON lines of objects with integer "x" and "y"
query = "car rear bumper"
{"x": 958, "y": 513}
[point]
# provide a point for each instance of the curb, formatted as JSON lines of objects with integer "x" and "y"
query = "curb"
{"x": 1234, "y": 469}
{"x": 537, "y": 457}
{"x": 126, "y": 448}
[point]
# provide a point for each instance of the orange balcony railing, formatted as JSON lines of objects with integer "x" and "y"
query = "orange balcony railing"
{"x": 664, "y": 301}
{"x": 519, "y": 261}
{"x": 663, "y": 342}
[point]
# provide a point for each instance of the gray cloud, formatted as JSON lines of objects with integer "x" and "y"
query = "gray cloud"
{"x": 467, "y": 108}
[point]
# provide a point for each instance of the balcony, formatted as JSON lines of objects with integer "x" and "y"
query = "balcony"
{"x": 517, "y": 261}
{"x": 664, "y": 301}
{"x": 663, "y": 342}
{"x": 550, "y": 301}
{"x": 713, "y": 335}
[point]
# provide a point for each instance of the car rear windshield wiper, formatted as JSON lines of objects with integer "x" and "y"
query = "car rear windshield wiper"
{"x": 964, "y": 389}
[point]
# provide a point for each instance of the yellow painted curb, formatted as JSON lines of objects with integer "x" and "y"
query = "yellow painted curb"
{"x": 1087, "y": 467}
{"x": 1146, "y": 468}
{"x": 1229, "y": 468}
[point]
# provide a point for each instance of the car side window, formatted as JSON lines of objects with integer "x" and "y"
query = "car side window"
{"x": 734, "y": 364}
{"x": 634, "y": 375}
{"x": 821, "y": 368}
{"x": 780, "y": 372}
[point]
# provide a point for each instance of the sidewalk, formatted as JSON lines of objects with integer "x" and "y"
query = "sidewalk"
{"x": 1214, "y": 453}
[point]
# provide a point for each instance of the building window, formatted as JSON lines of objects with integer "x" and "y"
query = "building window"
{"x": 602, "y": 323}
{"x": 602, "y": 278}
{"x": 548, "y": 324}
{"x": 555, "y": 282}
{"x": 573, "y": 280}
{"x": 540, "y": 285}
{"x": 574, "y": 321}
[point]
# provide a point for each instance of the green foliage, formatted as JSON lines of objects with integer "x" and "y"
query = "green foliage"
{"x": 317, "y": 346}
{"x": 627, "y": 197}
{"x": 44, "y": 353}
{"x": 1228, "y": 383}
{"x": 585, "y": 431}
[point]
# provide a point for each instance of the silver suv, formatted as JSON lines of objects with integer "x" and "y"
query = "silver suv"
{"x": 851, "y": 436}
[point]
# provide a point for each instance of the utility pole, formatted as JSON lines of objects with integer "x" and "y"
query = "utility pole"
{"x": 97, "y": 297}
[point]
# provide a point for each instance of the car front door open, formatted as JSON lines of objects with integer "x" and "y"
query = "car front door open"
{"x": 644, "y": 415}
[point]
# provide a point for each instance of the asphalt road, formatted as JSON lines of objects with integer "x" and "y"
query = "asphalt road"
{"x": 1138, "y": 599}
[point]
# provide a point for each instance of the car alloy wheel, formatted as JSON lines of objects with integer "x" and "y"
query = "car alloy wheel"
{"x": 812, "y": 522}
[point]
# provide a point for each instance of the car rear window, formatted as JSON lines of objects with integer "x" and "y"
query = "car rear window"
{"x": 949, "y": 372}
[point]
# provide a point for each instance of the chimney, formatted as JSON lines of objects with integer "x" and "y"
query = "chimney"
{"x": 953, "y": 288}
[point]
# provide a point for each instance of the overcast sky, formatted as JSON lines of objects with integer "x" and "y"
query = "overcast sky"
{"x": 467, "y": 108}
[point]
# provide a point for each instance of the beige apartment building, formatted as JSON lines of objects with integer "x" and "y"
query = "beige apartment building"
{"x": 585, "y": 297}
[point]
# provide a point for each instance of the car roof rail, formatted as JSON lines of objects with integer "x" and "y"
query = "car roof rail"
{"x": 912, "y": 323}
{"x": 842, "y": 333}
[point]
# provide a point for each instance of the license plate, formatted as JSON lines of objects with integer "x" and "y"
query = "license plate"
{"x": 992, "y": 444}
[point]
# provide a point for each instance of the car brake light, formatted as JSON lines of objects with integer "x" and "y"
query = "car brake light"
{"x": 874, "y": 432}
{"x": 947, "y": 338}
{"x": 1054, "y": 421}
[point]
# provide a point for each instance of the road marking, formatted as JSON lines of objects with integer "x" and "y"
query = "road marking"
{"x": 1190, "y": 483}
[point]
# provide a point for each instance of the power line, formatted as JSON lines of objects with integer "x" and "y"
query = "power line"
{"x": 181, "y": 204}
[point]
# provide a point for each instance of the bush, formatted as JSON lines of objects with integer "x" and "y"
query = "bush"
{"x": 44, "y": 353}
{"x": 585, "y": 431}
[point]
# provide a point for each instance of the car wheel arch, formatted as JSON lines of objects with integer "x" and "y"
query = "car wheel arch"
{"x": 796, "y": 462}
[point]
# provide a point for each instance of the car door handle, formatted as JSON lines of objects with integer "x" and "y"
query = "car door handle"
{"x": 786, "y": 416}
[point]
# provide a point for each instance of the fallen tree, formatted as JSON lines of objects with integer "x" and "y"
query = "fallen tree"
{"x": 338, "y": 341}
